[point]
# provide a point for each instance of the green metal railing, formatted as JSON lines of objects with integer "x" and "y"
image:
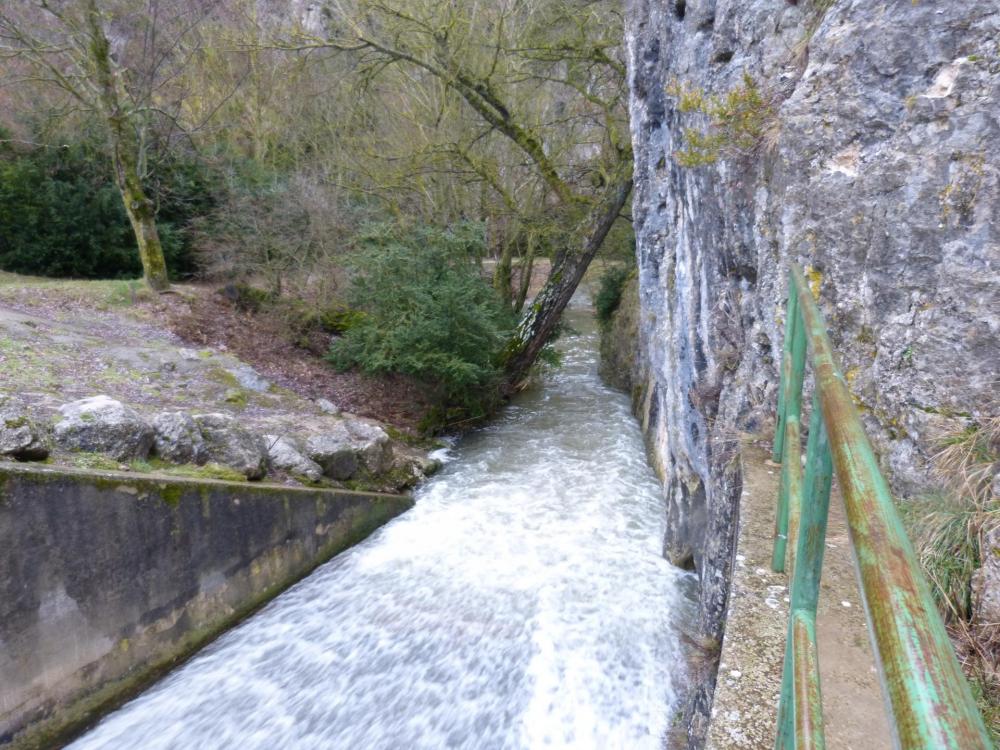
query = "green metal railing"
{"x": 929, "y": 700}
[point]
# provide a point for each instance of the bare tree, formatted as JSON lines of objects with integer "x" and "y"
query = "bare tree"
{"x": 547, "y": 79}
{"x": 119, "y": 59}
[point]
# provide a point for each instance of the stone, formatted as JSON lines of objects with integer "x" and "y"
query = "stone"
{"x": 328, "y": 407}
{"x": 372, "y": 443}
{"x": 287, "y": 454}
{"x": 228, "y": 443}
{"x": 349, "y": 446}
{"x": 410, "y": 466}
{"x": 335, "y": 453}
{"x": 20, "y": 436}
{"x": 177, "y": 438}
{"x": 249, "y": 378}
{"x": 103, "y": 425}
{"x": 986, "y": 581}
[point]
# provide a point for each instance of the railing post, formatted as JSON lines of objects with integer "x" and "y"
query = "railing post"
{"x": 815, "y": 511}
{"x": 793, "y": 371}
{"x": 785, "y": 370}
{"x": 808, "y": 705}
{"x": 785, "y": 739}
{"x": 804, "y": 587}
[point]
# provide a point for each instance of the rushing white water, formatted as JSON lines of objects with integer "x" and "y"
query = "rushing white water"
{"x": 523, "y": 603}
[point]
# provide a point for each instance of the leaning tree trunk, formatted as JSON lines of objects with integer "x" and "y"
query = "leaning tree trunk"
{"x": 124, "y": 143}
{"x": 142, "y": 216}
{"x": 539, "y": 322}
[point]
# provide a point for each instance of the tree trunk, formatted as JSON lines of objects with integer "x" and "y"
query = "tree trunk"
{"x": 502, "y": 272}
{"x": 540, "y": 321}
{"x": 142, "y": 215}
{"x": 124, "y": 143}
{"x": 527, "y": 267}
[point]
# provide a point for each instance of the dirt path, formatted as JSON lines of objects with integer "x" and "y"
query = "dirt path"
{"x": 746, "y": 698}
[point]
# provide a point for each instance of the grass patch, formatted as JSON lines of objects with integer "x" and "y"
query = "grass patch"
{"x": 949, "y": 531}
{"x": 155, "y": 465}
{"x": 93, "y": 462}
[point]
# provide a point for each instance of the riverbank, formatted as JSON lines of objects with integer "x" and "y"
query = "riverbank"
{"x": 95, "y": 377}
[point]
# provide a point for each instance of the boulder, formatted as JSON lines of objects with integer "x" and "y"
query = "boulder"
{"x": 286, "y": 454}
{"x": 177, "y": 438}
{"x": 328, "y": 407}
{"x": 227, "y": 443}
{"x": 102, "y": 425}
{"x": 409, "y": 466}
{"x": 349, "y": 446}
{"x": 20, "y": 437}
{"x": 372, "y": 444}
{"x": 335, "y": 453}
{"x": 986, "y": 581}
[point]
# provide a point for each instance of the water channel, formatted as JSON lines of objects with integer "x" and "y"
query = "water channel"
{"x": 522, "y": 603}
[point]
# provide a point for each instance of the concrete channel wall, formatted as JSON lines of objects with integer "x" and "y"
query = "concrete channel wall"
{"x": 109, "y": 579}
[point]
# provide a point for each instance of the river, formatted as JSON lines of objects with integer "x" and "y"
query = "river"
{"x": 522, "y": 603}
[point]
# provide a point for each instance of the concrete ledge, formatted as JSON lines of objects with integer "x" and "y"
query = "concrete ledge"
{"x": 109, "y": 579}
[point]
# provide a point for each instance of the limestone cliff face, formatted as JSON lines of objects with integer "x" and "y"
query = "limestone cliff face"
{"x": 879, "y": 167}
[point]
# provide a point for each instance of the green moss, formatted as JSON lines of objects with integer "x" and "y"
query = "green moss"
{"x": 414, "y": 441}
{"x": 236, "y": 397}
{"x": 16, "y": 422}
{"x": 208, "y": 471}
{"x": 223, "y": 377}
{"x": 93, "y": 461}
{"x": 171, "y": 494}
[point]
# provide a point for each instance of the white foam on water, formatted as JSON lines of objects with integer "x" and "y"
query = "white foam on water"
{"x": 523, "y": 603}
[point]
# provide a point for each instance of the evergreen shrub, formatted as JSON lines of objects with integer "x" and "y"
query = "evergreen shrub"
{"x": 425, "y": 311}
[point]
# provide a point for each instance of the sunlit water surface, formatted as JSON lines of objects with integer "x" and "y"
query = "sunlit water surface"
{"x": 523, "y": 603}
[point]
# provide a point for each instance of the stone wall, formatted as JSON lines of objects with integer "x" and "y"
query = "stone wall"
{"x": 107, "y": 580}
{"x": 877, "y": 165}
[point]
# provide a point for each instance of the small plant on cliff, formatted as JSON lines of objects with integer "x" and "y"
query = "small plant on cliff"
{"x": 426, "y": 311}
{"x": 609, "y": 292}
{"x": 737, "y": 122}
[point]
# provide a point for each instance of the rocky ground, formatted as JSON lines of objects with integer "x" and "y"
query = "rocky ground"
{"x": 95, "y": 374}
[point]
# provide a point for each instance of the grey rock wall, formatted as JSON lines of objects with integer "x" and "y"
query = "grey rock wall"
{"x": 880, "y": 169}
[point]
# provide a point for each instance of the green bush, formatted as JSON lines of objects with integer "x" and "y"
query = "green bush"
{"x": 609, "y": 292}
{"x": 62, "y": 215}
{"x": 425, "y": 311}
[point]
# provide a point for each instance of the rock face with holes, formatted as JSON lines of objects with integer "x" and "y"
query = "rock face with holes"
{"x": 866, "y": 146}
